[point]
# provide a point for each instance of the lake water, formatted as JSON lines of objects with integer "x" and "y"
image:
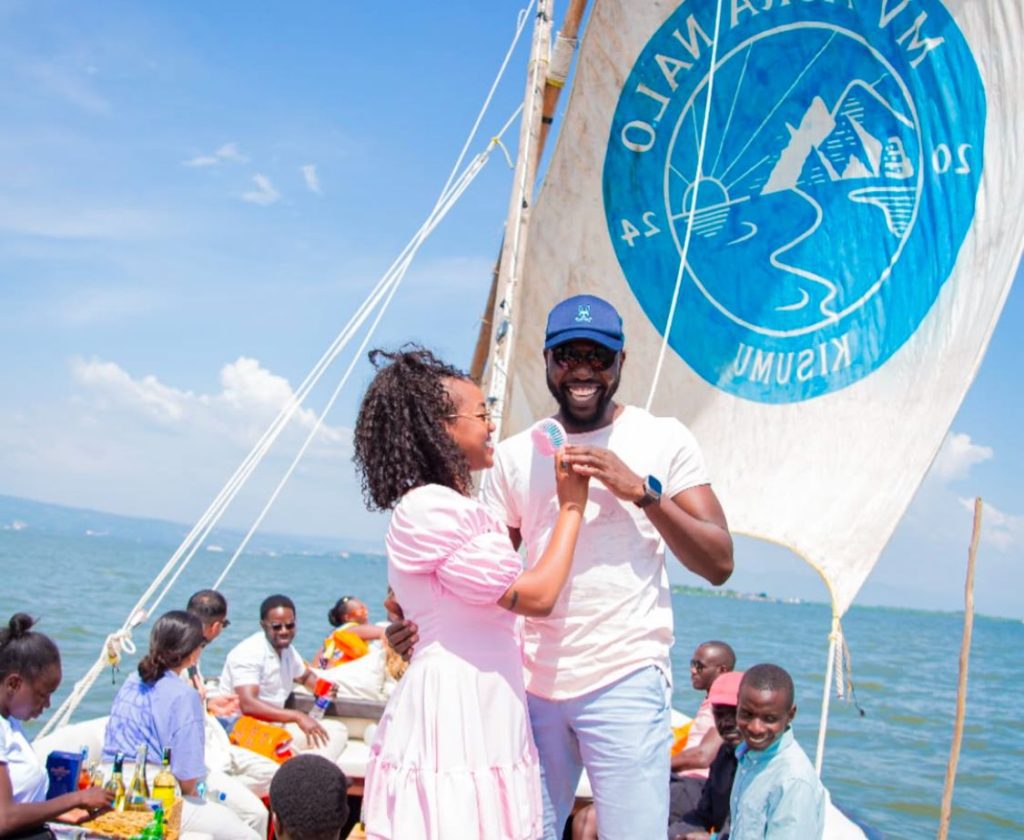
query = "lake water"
{"x": 886, "y": 767}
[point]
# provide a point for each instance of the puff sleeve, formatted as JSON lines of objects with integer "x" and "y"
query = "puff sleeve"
{"x": 435, "y": 530}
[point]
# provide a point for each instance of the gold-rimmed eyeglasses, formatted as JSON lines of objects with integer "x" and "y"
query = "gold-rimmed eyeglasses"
{"x": 487, "y": 416}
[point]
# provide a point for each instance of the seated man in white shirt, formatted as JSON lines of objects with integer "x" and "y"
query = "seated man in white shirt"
{"x": 242, "y": 774}
{"x": 262, "y": 670}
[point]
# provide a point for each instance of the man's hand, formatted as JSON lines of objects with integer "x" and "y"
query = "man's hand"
{"x": 606, "y": 467}
{"x": 225, "y": 706}
{"x": 314, "y": 732}
{"x": 402, "y": 636}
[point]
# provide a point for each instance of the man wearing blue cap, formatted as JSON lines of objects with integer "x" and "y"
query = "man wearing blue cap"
{"x": 597, "y": 669}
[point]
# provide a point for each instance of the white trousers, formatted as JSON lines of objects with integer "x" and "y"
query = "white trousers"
{"x": 245, "y": 804}
{"x": 252, "y": 769}
{"x": 198, "y": 815}
{"x": 337, "y": 739}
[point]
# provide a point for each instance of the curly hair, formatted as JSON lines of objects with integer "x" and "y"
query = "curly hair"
{"x": 400, "y": 441}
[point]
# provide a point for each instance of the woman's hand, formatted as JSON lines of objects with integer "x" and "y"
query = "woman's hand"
{"x": 572, "y": 486}
{"x": 95, "y": 798}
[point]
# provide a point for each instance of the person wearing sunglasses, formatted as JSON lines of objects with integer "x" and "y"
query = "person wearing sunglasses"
{"x": 262, "y": 671}
{"x": 605, "y": 646}
{"x": 242, "y": 774}
{"x": 690, "y": 764}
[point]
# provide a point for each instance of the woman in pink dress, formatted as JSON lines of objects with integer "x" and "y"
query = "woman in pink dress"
{"x": 454, "y": 758}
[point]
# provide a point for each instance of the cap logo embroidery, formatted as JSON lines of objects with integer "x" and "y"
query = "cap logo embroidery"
{"x": 583, "y": 314}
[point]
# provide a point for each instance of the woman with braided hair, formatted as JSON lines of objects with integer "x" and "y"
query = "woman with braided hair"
{"x": 453, "y": 756}
{"x": 156, "y": 707}
{"x": 29, "y": 674}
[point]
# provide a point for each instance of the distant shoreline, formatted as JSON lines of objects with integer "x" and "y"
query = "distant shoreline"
{"x": 21, "y": 517}
{"x": 765, "y": 598}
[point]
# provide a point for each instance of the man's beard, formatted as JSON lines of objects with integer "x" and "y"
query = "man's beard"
{"x": 584, "y": 424}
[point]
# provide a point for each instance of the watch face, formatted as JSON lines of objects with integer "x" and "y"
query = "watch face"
{"x": 654, "y": 484}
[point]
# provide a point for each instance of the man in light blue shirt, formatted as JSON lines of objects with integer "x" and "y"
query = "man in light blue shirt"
{"x": 776, "y": 793}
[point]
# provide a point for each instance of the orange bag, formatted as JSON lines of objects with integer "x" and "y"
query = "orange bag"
{"x": 679, "y": 736}
{"x": 266, "y": 739}
{"x": 343, "y": 646}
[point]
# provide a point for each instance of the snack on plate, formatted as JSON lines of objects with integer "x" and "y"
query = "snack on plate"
{"x": 125, "y": 824}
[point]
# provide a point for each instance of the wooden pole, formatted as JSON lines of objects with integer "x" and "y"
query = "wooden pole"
{"x": 961, "y": 689}
{"x": 552, "y": 91}
{"x": 552, "y": 87}
{"x": 833, "y": 640}
{"x": 483, "y": 339}
{"x": 517, "y": 222}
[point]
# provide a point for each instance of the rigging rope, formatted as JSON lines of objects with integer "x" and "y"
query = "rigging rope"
{"x": 121, "y": 639}
{"x": 440, "y": 211}
{"x": 693, "y": 207}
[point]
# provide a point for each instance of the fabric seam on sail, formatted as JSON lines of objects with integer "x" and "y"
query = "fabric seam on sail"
{"x": 121, "y": 639}
{"x": 693, "y": 208}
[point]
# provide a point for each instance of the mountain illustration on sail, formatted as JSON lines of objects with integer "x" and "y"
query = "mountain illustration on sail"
{"x": 861, "y": 137}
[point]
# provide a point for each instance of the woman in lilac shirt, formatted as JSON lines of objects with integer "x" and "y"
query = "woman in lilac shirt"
{"x": 157, "y": 708}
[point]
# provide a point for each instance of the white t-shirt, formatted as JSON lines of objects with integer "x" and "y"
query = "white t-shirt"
{"x": 254, "y": 662}
{"x": 615, "y": 613}
{"x": 29, "y": 781}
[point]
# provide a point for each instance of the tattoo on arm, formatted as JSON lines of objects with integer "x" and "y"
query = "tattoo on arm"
{"x": 513, "y": 600}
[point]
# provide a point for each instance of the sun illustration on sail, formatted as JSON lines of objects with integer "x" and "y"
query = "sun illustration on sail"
{"x": 801, "y": 167}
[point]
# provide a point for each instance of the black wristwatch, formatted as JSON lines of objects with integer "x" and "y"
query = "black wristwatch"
{"x": 652, "y": 492}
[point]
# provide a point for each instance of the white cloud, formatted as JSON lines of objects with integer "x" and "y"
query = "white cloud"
{"x": 957, "y": 456}
{"x": 249, "y": 400}
{"x": 116, "y": 388}
{"x": 201, "y": 160}
{"x": 311, "y": 178}
{"x": 228, "y": 152}
{"x": 143, "y": 446}
{"x": 264, "y": 195}
{"x": 998, "y": 529}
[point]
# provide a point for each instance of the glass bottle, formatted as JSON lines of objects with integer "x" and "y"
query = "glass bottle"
{"x": 165, "y": 786}
{"x": 116, "y": 783}
{"x": 84, "y": 779}
{"x": 138, "y": 790}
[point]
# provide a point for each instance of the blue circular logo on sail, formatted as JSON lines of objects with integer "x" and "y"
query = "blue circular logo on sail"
{"x": 815, "y": 217}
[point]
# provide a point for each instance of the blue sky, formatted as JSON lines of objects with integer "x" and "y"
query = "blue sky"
{"x": 193, "y": 200}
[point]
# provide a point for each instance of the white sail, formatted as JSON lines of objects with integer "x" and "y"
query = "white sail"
{"x": 850, "y": 215}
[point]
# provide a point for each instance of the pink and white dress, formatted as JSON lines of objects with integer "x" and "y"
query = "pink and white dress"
{"x": 454, "y": 758}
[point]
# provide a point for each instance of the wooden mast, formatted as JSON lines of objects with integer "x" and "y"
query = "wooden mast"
{"x": 553, "y": 84}
{"x": 946, "y": 811}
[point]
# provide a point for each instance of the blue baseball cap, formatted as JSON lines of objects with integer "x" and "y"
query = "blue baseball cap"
{"x": 584, "y": 316}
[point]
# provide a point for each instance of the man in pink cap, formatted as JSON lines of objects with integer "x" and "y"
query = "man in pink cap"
{"x": 710, "y": 818}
